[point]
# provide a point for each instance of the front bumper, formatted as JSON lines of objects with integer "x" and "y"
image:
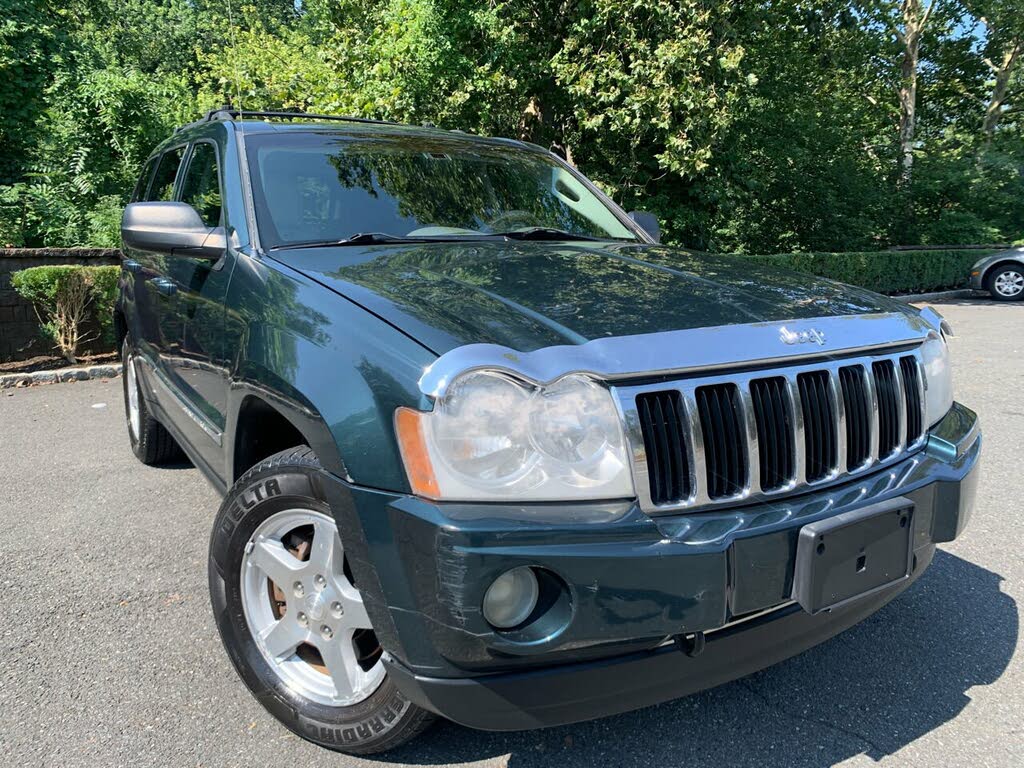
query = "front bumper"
{"x": 638, "y": 589}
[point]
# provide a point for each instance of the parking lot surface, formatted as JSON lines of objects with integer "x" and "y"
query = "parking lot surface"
{"x": 111, "y": 657}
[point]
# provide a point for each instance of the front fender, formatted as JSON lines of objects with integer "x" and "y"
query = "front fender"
{"x": 334, "y": 370}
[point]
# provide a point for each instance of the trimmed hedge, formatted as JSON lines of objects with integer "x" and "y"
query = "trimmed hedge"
{"x": 884, "y": 271}
{"x": 69, "y": 299}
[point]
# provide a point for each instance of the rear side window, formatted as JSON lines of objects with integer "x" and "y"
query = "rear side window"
{"x": 140, "y": 188}
{"x": 201, "y": 187}
{"x": 162, "y": 187}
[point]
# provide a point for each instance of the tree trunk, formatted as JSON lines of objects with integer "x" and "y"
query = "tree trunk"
{"x": 995, "y": 103}
{"x": 914, "y": 20}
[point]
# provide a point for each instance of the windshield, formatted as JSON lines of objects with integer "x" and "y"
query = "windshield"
{"x": 323, "y": 188}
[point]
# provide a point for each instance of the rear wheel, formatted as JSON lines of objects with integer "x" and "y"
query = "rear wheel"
{"x": 150, "y": 441}
{"x": 291, "y": 614}
{"x": 1006, "y": 282}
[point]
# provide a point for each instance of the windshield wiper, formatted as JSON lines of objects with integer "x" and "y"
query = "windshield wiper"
{"x": 383, "y": 238}
{"x": 544, "y": 233}
{"x": 360, "y": 238}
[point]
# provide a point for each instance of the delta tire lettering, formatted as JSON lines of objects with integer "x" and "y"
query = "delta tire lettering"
{"x": 252, "y": 496}
{"x": 352, "y": 734}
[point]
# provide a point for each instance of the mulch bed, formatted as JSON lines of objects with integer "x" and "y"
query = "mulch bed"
{"x": 52, "y": 362}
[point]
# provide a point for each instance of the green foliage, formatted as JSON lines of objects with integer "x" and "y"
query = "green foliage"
{"x": 69, "y": 299}
{"x": 884, "y": 271}
{"x": 746, "y": 127}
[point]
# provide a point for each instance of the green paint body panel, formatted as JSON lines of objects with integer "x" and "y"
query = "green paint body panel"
{"x": 334, "y": 339}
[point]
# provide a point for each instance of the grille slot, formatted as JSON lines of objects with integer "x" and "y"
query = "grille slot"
{"x": 888, "y": 393}
{"x": 663, "y": 425}
{"x": 725, "y": 447}
{"x": 857, "y": 403}
{"x": 912, "y": 396}
{"x": 819, "y": 424}
{"x": 774, "y": 431}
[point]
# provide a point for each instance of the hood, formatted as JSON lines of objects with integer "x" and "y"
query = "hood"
{"x": 528, "y": 295}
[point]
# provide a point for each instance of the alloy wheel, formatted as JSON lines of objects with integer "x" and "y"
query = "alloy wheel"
{"x": 134, "y": 410}
{"x": 1009, "y": 283}
{"x": 305, "y": 612}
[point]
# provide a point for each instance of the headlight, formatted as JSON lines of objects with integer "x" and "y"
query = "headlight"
{"x": 494, "y": 437}
{"x": 938, "y": 396}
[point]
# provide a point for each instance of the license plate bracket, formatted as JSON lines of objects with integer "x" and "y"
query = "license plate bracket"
{"x": 853, "y": 554}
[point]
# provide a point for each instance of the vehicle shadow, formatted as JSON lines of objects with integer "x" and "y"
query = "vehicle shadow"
{"x": 872, "y": 690}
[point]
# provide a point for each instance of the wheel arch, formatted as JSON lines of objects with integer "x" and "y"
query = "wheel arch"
{"x": 1008, "y": 261}
{"x": 120, "y": 328}
{"x": 266, "y": 421}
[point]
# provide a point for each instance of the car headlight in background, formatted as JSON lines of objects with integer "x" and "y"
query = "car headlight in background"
{"x": 938, "y": 395}
{"x": 494, "y": 437}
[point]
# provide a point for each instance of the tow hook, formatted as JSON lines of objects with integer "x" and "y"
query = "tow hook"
{"x": 692, "y": 645}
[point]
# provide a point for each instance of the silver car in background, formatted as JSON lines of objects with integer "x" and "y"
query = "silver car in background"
{"x": 1001, "y": 274}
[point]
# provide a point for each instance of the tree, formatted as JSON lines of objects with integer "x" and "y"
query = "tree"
{"x": 915, "y": 16}
{"x": 1004, "y": 46}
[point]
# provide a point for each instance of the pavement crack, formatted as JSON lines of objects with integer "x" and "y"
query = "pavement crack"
{"x": 874, "y": 750}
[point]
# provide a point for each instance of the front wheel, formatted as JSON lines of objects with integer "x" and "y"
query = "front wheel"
{"x": 1006, "y": 282}
{"x": 291, "y": 616}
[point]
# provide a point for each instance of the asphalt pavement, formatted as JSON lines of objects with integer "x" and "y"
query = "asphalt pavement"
{"x": 110, "y": 656}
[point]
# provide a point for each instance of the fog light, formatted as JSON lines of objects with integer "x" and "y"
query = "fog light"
{"x": 511, "y": 598}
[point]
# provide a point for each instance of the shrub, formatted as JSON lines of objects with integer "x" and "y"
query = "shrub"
{"x": 884, "y": 271}
{"x": 65, "y": 298}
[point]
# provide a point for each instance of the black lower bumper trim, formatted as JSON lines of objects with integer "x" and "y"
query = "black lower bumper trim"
{"x": 571, "y": 693}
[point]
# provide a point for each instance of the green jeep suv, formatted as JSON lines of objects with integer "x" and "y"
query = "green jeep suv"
{"x": 489, "y": 452}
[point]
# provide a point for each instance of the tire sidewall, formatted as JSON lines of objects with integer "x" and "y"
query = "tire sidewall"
{"x": 255, "y": 498}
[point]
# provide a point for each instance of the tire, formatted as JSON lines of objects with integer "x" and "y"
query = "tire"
{"x": 265, "y": 512}
{"x": 150, "y": 441}
{"x": 1005, "y": 282}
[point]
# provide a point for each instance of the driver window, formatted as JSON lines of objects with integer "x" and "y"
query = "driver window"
{"x": 201, "y": 186}
{"x": 162, "y": 187}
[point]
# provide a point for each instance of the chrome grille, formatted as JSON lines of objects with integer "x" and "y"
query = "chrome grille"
{"x": 725, "y": 439}
{"x": 913, "y": 393}
{"x": 661, "y": 419}
{"x": 723, "y": 427}
{"x": 770, "y": 400}
{"x": 819, "y": 410}
{"x": 857, "y": 403}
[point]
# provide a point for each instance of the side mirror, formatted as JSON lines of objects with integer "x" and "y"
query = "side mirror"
{"x": 167, "y": 227}
{"x": 648, "y": 222}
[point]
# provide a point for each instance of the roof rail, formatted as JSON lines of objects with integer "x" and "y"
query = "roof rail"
{"x": 228, "y": 112}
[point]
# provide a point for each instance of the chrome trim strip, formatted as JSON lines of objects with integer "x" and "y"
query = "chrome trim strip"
{"x": 753, "y": 450}
{"x": 875, "y": 436}
{"x": 901, "y": 405}
{"x": 625, "y": 397}
{"x": 674, "y": 353}
{"x": 924, "y": 406}
{"x": 836, "y": 393}
{"x": 211, "y": 431}
{"x": 799, "y": 446}
{"x": 699, "y": 470}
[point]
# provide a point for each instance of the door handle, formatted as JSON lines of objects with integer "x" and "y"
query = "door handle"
{"x": 164, "y": 286}
{"x": 130, "y": 265}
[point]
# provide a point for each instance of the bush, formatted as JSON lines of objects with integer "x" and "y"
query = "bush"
{"x": 66, "y": 298}
{"x": 884, "y": 271}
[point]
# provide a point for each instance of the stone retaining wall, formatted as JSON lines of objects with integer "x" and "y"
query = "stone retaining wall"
{"x": 19, "y": 327}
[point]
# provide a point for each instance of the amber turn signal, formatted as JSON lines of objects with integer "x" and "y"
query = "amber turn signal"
{"x": 411, "y": 442}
